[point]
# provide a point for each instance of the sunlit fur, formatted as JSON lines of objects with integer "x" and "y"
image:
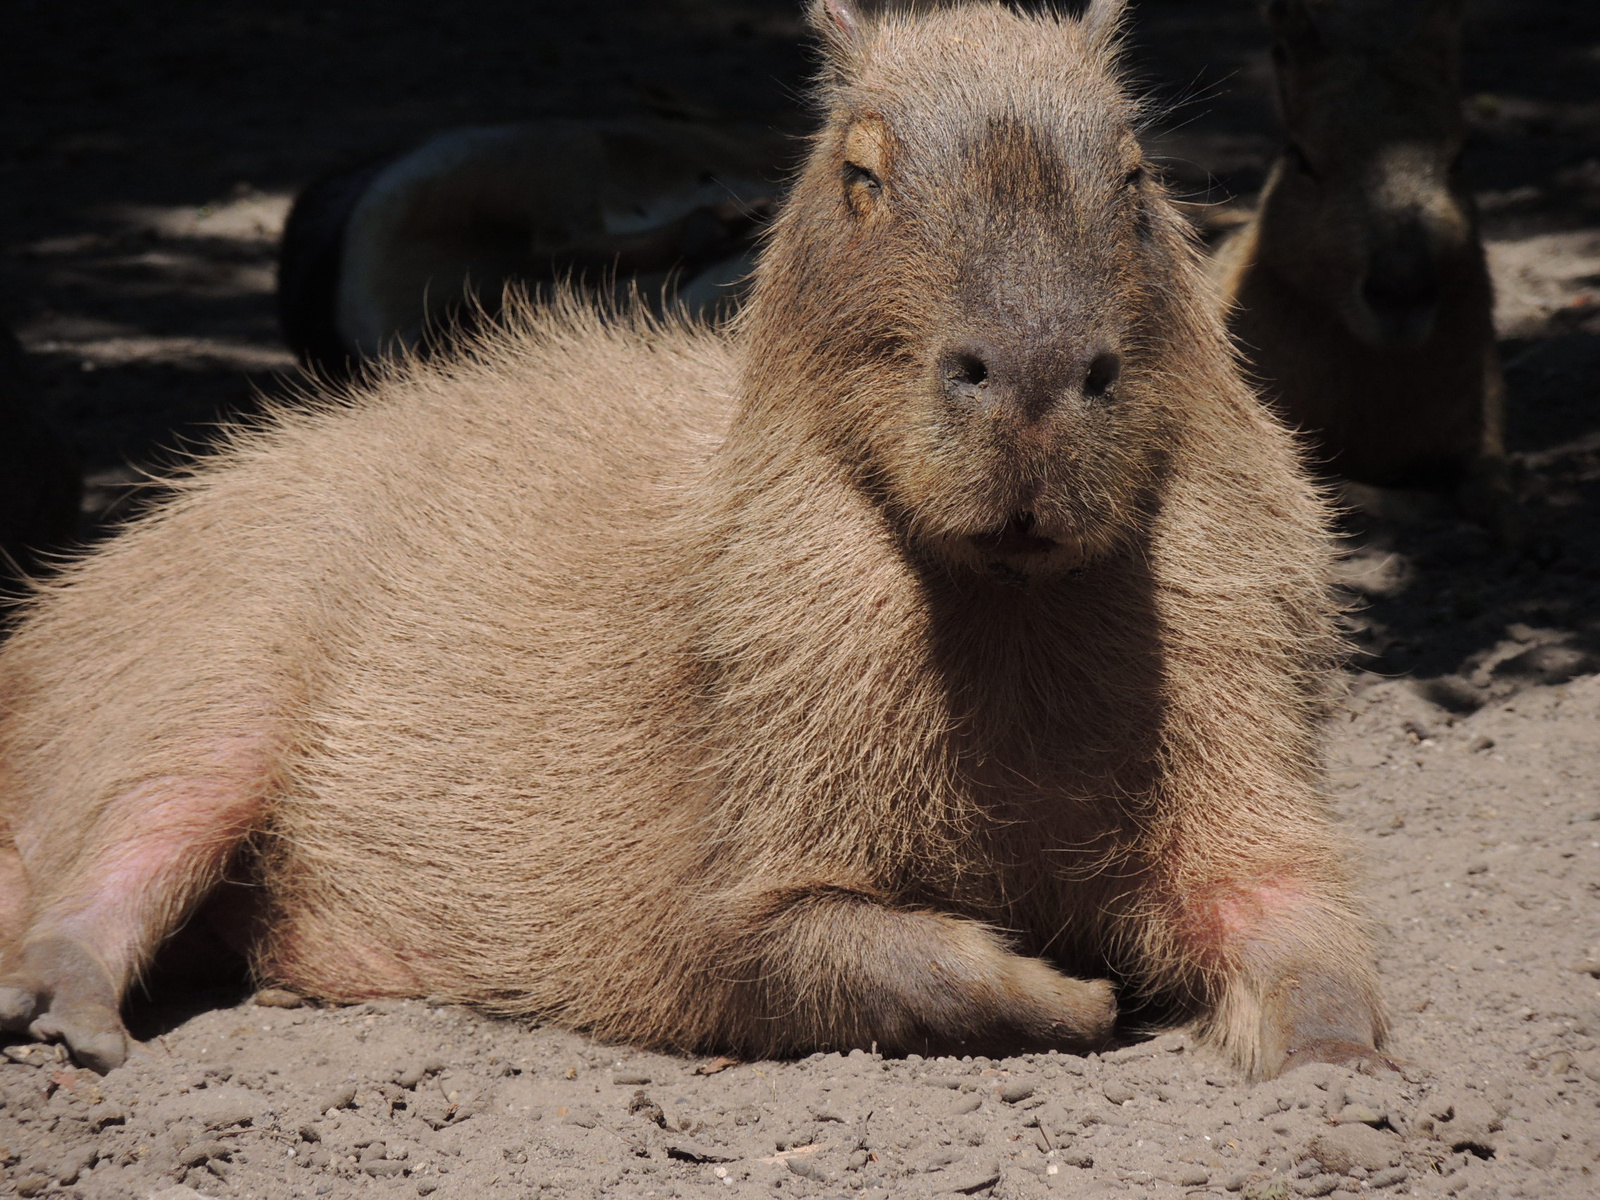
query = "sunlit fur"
{"x": 645, "y": 678}
{"x": 1363, "y": 298}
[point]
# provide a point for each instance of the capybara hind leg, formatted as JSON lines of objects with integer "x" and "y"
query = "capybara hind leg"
{"x": 836, "y": 970}
{"x": 57, "y": 990}
{"x": 154, "y": 851}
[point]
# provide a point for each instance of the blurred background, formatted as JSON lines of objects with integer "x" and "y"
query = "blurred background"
{"x": 149, "y": 154}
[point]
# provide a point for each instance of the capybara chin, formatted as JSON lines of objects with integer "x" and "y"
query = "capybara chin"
{"x": 935, "y": 653}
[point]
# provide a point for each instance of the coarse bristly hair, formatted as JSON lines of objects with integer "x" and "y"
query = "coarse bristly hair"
{"x": 958, "y": 621}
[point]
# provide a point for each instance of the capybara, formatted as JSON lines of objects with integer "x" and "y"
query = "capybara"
{"x": 937, "y": 651}
{"x": 1360, "y": 291}
{"x": 40, "y": 480}
{"x": 406, "y": 253}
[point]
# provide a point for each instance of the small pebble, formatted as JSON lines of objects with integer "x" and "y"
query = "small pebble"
{"x": 427, "y": 1187}
{"x": 196, "y": 1153}
{"x": 1235, "y": 1183}
{"x": 418, "y": 1071}
{"x": 278, "y": 998}
{"x": 1117, "y": 1093}
{"x": 32, "y": 1185}
{"x": 1387, "y": 1178}
{"x": 342, "y": 1096}
{"x": 807, "y": 1169}
{"x": 383, "y": 1168}
{"x": 74, "y": 1162}
{"x": 1482, "y": 743}
{"x": 1015, "y": 1092}
{"x": 1317, "y": 1185}
{"x": 1192, "y": 1176}
{"x": 966, "y": 1104}
{"x": 642, "y": 1106}
{"x": 1359, "y": 1114}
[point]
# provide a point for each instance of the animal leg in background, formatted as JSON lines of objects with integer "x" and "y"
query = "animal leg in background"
{"x": 834, "y": 967}
{"x": 153, "y": 852}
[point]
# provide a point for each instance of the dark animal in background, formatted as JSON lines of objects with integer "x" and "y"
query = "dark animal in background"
{"x": 40, "y": 481}
{"x": 410, "y": 252}
{"x": 932, "y": 655}
{"x": 1360, "y": 290}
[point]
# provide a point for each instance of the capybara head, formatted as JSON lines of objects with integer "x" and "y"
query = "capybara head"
{"x": 976, "y": 268}
{"x": 1370, "y": 99}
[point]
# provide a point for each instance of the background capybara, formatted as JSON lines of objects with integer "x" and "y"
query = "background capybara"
{"x": 401, "y": 254}
{"x": 1362, "y": 298}
{"x": 960, "y": 623}
{"x": 39, "y": 479}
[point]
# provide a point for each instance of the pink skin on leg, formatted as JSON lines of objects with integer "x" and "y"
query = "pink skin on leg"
{"x": 146, "y": 882}
{"x": 1299, "y": 986}
{"x": 156, "y": 850}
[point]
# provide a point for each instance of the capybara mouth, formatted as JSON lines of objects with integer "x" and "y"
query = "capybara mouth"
{"x": 1016, "y": 536}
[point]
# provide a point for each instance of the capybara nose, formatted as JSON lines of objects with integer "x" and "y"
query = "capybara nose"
{"x": 978, "y": 375}
{"x": 1402, "y": 287}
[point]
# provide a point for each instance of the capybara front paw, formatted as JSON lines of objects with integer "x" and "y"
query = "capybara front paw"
{"x": 55, "y": 989}
{"x": 1358, "y": 1056}
{"x": 1054, "y": 1011}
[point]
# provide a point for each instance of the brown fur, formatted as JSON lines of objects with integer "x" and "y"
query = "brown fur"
{"x": 801, "y": 687}
{"x": 1362, "y": 296}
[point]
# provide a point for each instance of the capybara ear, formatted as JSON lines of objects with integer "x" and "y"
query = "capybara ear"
{"x": 1102, "y": 22}
{"x": 842, "y": 27}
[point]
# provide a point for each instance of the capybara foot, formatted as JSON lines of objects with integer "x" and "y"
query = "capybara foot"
{"x": 56, "y": 990}
{"x": 1358, "y": 1056}
{"x": 916, "y": 981}
{"x": 1045, "y": 1010}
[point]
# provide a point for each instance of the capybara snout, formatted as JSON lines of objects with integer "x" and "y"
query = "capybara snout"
{"x": 998, "y": 259}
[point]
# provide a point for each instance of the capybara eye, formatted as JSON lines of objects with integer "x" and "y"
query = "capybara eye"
{"x": 965, "y": 375}
{"x": 855, "y": 173}
{"x": 1102, "y": 375}
{"x": 1134, "y": 177}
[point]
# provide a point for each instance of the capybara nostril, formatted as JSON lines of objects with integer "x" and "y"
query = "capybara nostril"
{"x": 1104, "y": 371}
{"x": 965, "y": 375}
{"x": 1395, "y": 292}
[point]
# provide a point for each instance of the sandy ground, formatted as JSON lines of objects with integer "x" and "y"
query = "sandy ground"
{"x": 147, "y": 156}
